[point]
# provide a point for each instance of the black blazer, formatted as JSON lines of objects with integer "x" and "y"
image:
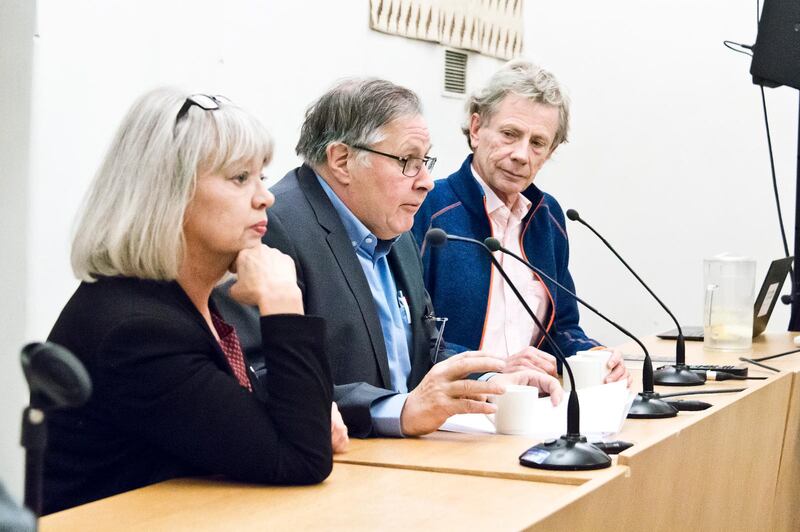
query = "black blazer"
{"x": 165, "y": 402}
{"x": 304, "y": 224}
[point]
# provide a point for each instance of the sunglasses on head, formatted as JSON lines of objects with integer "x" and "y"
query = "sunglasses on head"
{"x": 203, "y": 101}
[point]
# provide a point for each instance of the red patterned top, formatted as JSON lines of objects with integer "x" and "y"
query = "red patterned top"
{"x": 229, "y": 342}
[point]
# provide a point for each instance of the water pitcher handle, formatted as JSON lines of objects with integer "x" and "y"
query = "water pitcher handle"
{"x": 709, "y": 304}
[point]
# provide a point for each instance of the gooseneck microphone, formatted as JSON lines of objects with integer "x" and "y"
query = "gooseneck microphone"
{"x": 648, "y": 403}
{"x": 678, "y": 374}
{"x": 56, "y": 380}
{"x": 571, "y": 452}
{"x": 55, "y": 377}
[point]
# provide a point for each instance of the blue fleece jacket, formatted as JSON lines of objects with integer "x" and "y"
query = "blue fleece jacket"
{"x": 458, "y": 275}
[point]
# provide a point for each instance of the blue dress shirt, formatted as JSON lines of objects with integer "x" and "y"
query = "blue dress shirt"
{"x": 392, "y": 311}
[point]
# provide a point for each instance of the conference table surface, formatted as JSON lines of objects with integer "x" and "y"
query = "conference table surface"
{"x": 497, "y": 455}
{"x": 742, "y": 461}
{"x": 352, "y": 498}
{"x": 725, "y": 468}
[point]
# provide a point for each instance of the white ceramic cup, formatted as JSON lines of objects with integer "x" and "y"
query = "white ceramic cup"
{"x": 589, "y": 367}
{"x": 516, "y": 409}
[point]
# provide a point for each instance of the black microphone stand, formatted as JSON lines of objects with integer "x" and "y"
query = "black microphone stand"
{"x": 572, "y": 451}
{"x": 678, "y": 374}
{"x": 34, "y": 441}
{"x": 56, "y": 380}
{"x": 648, "y": 403}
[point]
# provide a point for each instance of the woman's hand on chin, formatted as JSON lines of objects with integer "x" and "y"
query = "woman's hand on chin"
{"x": 267, "y": 279}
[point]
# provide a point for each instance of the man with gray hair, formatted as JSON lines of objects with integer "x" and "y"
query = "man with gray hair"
{"x": 513, "y": 126}
{"x": 344, "y": 217}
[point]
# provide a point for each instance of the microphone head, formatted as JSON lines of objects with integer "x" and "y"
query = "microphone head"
{"x": 493, "y": 244}
{"x": 55, "y": 376}
{"x": 436, "y": 237}
{"x": 573, "y": 215}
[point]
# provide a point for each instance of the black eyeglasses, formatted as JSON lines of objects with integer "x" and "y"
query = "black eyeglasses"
{"x": 411, "y": 165}
{"x": 203, "y": 101}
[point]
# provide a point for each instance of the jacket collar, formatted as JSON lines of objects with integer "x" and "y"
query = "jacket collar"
{"x": 471, "y": 194}
{"x": 326, "y": 215}
{"x": 180, "y": 295}
{"x": 342, "y": 249}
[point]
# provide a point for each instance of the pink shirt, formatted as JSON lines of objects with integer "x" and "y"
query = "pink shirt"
{"x": 508, "y": 327}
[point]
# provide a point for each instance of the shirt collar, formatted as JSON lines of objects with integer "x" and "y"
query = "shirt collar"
{"x": 360, "y": 237}
{"x": 493, "y": 201}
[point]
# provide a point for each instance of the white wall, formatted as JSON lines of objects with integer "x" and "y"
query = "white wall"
{"x": 667, "y": 153}
{"x": 16, "y": 58}
{"x": 274, "y": 58}
{"x": 94, "y": 57}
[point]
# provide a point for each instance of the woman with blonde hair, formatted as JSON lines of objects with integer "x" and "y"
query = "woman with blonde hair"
{"x": 177, "y": 203}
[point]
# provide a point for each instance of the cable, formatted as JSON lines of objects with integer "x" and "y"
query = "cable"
{"x": 725, "y": 376}
{"x": 728, "y": 44}
{"x": 774, "y": 179}
{"x": 698, "y": 392}
{"x": 759, "y": 364}
{"x": 689, "y": 406}
{"x": 772, "y": 164}
{"x": 769, "y": 357}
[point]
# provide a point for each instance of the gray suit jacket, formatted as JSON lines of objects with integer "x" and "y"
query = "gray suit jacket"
{"x": 304, "y": 224}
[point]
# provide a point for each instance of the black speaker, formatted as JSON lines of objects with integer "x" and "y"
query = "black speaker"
{"x": 776, "y": 54}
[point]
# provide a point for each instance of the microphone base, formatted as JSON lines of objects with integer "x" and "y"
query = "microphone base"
{"x": 649, "y": 405}
{"x": 567, "y": 453}
{"x": 677, "y": 375}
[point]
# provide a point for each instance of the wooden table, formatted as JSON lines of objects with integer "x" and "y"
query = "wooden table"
{"x": 786, "y": 512}
{"x": 735, "y": 466}
{"x": 352, "y": 498}
{"x": 487, "y": 455}
{"x": 697, "y": 461}
{"x": 758, "y": 432}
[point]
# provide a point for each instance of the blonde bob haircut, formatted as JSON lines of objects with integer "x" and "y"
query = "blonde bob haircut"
{"x": 131, "y": 221}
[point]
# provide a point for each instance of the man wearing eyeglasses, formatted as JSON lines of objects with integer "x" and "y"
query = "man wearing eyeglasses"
{"x": 513, "y": 126}
{"x": 344, "y": 217}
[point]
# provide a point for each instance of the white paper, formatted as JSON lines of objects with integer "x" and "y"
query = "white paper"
{"x": 469, "y": 424}
{"x": 603, "y": 410}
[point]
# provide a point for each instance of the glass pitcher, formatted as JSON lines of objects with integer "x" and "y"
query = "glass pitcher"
{"x": 730, "y": 283}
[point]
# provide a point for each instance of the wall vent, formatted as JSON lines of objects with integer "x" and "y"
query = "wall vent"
{"x": 455, "y": 73}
